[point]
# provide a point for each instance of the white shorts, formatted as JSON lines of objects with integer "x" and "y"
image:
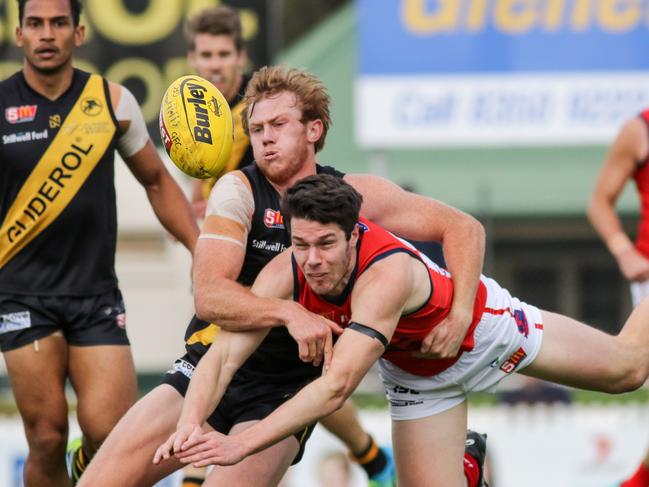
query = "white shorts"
{"x": 507, "y": 339}
{"x": 639, "y": 291}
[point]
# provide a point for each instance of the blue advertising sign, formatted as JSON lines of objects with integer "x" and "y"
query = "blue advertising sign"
{"x": 499, "y": 71}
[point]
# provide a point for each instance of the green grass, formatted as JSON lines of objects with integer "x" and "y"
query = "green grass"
{"x": 378, "y": 401}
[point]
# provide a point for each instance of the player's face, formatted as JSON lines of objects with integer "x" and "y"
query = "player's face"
{"x": 281, "y": 143}
{"x": 324, "y": 255}
{"x": 48, "y": 36}
{"x": 215, "y": 58}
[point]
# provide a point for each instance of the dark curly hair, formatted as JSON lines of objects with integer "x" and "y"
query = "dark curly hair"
{"x": 324, "y": 199}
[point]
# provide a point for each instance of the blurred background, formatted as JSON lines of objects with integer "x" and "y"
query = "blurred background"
{"x": 502, "y": 108}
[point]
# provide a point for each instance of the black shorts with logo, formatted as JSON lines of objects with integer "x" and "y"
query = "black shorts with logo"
{"x": 246, "y": 399}
{"x": 83, "y": 320}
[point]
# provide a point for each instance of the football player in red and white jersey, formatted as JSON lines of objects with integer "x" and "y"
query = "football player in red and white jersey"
{"x": 388, "y": 297}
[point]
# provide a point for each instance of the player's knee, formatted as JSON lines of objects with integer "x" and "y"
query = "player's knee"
{"x": 95, "y": 434}
{"x": 47, "y": 441}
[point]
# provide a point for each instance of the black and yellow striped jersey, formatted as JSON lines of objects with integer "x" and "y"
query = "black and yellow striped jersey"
{"x": 57, "y": 195}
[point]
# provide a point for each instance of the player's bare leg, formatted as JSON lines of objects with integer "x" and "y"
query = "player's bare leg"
{"x": 581, "y": 356}
{"x": 37, "y": 372}
{"x": 429, "y": 451}
{"x": 125, "y": 458}
{"x": 104, "y": 380}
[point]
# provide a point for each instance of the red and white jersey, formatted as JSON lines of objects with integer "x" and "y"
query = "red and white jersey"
{"x": 641, "y": 177}
{"x": 374, "y": 244}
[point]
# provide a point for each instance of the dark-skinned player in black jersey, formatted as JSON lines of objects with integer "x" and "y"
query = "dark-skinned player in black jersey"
{"x": 61, "y": 312}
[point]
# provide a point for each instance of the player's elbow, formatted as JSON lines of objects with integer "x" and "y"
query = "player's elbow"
{"x": 626, "y": 377}
{"x": 339, "y": 387}
{"x": 593, "y": 209}
{"x": 476, "y": 228}
{"x": 598, "y": 205}
{"x": 201, "y": 305}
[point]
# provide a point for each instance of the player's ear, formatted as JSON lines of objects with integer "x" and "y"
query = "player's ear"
{"x": 314, "y": 130}
{"x": 79, "y": 35}
{"x": 353, "y": 239}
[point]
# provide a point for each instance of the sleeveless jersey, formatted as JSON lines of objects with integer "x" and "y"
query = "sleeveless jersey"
{"x": 641, "y": 177}
{"x": 56, "y": 186}
{"x": 277, "y": 358}
{"x": 241, "y": 155}
{"x": 374, "y": 244}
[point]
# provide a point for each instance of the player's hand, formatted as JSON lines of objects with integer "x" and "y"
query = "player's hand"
{"x": 445, "y": 339}
{"x": 633, "y": 265}
{"x": 212, "y": 448}
{"x": 176, "y": 441}
{"x": 313, "y": 334}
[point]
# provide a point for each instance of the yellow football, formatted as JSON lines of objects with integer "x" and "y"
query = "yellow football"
{"x": 196, "y": 127}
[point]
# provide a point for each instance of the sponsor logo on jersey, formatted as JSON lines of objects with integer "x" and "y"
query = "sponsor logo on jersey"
{"x": 269, "y": 246}
{"x": 50, "y": 189}
{"x": 513, "y": 361}
{"x": 182, "y": 366}
{"x": 21, "y": 114}
{"x": 273, "y": 218}
{"x": 29, "y": 136}
{"x": 15, "y": 321}
{"x": 404, "y": 390}
{"x": 521, "y": 322}
{"x": 340, "y": 318}
{"x": 91, "y": 106}
{"x": 55, "y": 121}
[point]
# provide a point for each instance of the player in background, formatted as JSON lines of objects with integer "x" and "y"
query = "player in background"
{"x": 216, "y": 52}
{"x": 627, "y": 160}
{"x": 61, "y": 311}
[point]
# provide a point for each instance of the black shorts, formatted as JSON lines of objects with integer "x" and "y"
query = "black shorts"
{"x": 83, "y": 320}
{"x": 245, "y": 399}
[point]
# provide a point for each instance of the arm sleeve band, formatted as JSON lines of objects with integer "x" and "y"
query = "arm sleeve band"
{"x": 231, "y": 198}
{"x": 136, "y": 137}
{"x": 370, "y": 332}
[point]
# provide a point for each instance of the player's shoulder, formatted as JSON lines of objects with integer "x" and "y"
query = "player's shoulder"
{"x": 634, "y": 131}
{"x": 116, "y": 91}
{"x": 236, "y": 179}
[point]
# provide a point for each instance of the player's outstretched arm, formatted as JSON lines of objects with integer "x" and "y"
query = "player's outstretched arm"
{"x": 630, "y": 146}
{"x": 379, "y": 297}
{"x": 208, "y": 384}
{"x": 418, "y": 217}
{"x": 217, "y": 367}
{"x": 134, "y": 145}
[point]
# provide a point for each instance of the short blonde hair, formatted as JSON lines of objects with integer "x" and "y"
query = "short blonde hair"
{"x": 310, "y": 92}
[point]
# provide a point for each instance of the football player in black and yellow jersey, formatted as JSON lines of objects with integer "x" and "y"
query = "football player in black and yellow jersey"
{"x": 61, "y": 313}
{"x": 217, "y": 53}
